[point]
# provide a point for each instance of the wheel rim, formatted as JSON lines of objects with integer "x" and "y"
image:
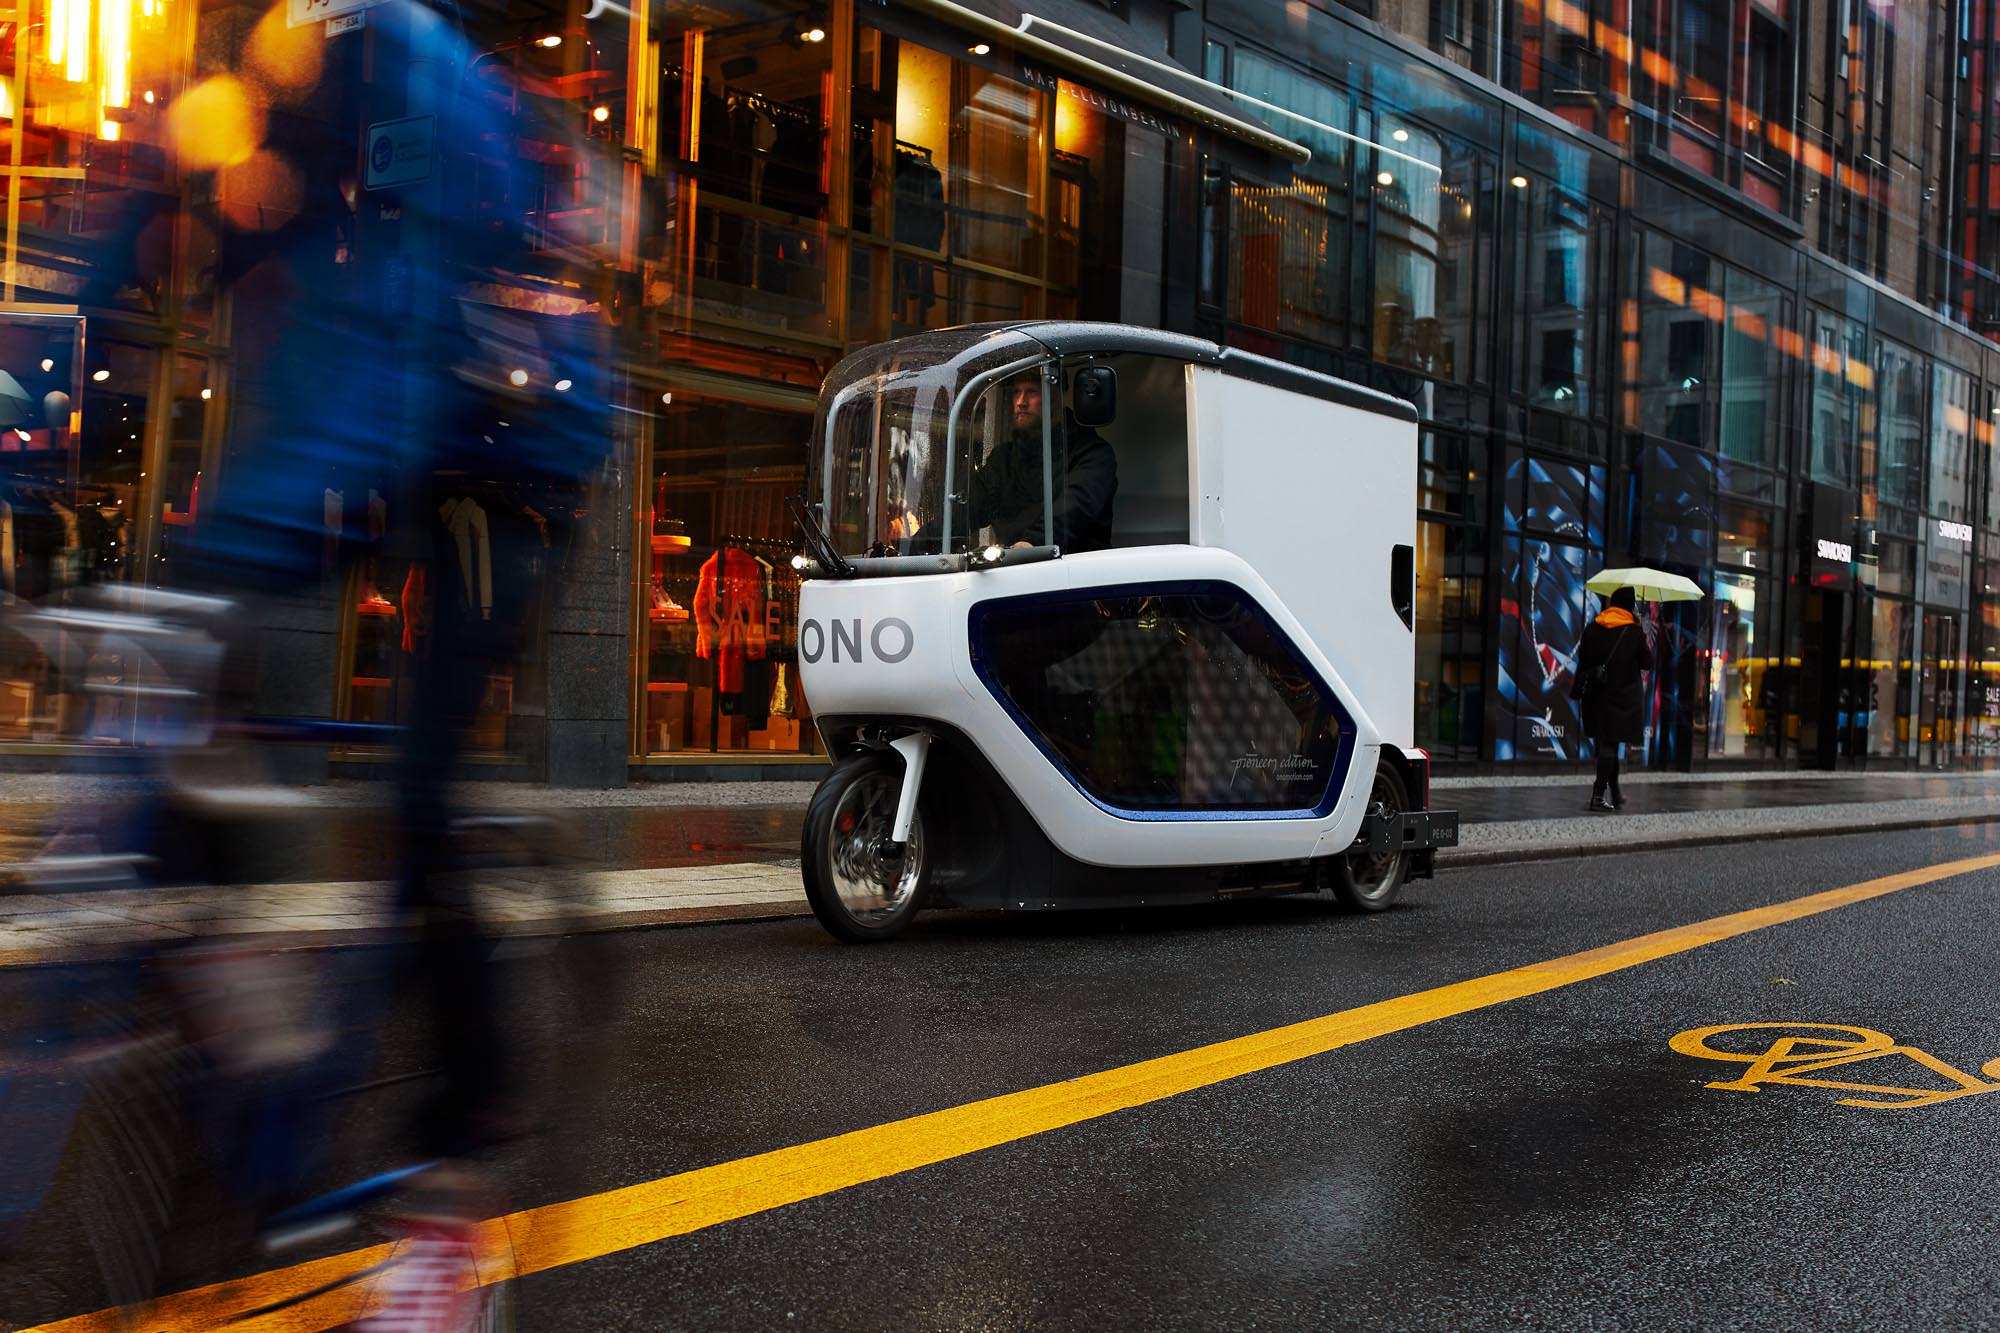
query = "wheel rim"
{"x": 1373, "y": 873}
{"x": 872, "y": 888}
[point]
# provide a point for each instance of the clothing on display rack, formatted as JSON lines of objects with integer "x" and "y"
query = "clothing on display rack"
{"x": 781, "y": 690}
{"x": 920, "y": 221}
{"x": 729, "y": 616}
{"x": 472, "y": 540}
{"x": 416, "y": 608}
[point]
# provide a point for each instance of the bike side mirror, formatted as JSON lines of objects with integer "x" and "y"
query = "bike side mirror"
{"x": 1093, "y": 396}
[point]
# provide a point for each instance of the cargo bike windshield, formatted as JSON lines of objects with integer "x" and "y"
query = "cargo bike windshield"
{"x": 937, "y": 445}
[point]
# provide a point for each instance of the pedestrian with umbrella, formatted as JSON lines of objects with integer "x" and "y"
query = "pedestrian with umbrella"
{"x": 1613, "y": 657}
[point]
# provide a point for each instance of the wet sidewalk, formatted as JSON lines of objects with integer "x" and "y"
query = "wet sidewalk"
{"x": 674, "y": 854}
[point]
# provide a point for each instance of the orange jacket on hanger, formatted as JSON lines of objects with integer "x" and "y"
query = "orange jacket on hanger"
{"x": 729, "y": 615}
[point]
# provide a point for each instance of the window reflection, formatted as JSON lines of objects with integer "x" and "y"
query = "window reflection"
{"x": 1838, "y": 397}
{"x": 1288, "y": 262}
{"x": 1900, "y": 384}
{"x": 1951, "y": 443}
{"x": 1752, "y": 374}
{"x": 1559, "y": 295}
{"x": 1679, "y": 301}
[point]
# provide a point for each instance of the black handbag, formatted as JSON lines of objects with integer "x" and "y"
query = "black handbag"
{"x": 1601, "y": 673}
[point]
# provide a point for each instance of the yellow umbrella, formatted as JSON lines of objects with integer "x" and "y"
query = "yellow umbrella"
{"x": 1649, "y": 585}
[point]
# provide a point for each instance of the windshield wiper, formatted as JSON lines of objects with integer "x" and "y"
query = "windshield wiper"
{"x": 819, "y": 542}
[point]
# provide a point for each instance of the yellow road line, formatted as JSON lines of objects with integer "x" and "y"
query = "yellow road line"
{"x": 538, "y": 1239}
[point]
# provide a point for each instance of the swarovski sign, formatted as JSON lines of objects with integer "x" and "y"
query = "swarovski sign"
{"x": 1957, "y": 532}
{"x": 1839, "y": 551}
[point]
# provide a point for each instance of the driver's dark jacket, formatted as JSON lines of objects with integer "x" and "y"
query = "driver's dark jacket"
{"x": 1007, "y": 490}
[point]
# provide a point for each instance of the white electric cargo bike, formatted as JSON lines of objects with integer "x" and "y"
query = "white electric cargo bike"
{"x": 1098, "y": 616}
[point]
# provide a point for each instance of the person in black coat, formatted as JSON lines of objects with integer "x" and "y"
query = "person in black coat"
{"x": 1007, "y": 487}
{"x": 1614, "y": 655}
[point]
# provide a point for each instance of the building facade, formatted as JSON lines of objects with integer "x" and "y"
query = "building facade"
{"x": 1702, "y": 285}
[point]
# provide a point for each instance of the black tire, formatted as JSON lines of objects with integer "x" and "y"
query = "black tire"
{"x": 859, "y": 895}
{"x": 1363, "y": 882}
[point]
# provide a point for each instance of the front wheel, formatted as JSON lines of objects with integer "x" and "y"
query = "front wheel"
{"x": 1366, "y": 881}
{"x": 860, "y": 888}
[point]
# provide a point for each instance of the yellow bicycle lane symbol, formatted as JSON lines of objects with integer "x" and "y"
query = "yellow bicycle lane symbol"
{"x": 1791, "y": 1051}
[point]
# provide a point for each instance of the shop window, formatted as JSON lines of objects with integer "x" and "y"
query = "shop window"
{"x": 1743, "y": 535}
{"x": 95, "y": 84}
{"x": 192, "y": 436}
{"x": 1452, "y": 476}
{"x": 1887, "y": 679}
{"x": 72, "y": 477}
{"x": 742, "y": 89}
{"x": 719, "y": 653}
{"x": 1741, "y": 681}
{"x": 558, "y": 85}
{"x": 1450, "y": 669}
{"x": 483, "y": 578}
{"x": 742, "y": 116}
{"x": 985, "y": 183}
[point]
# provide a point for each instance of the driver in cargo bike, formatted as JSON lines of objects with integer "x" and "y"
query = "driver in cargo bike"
{"x": 1007, "y": 487}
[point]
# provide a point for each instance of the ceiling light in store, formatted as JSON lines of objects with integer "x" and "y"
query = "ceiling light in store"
{"x": 813, "y": 35}
{"x": 48, "y": 363}
{"x": 151, "y": 97}
{"x": 1520, "y": 182}
{"x": 562, "y": 386}
{"x": 101, "y": 376}
{"x": 668, "y": 398}
{"x": 207, "y": 394}
{"x": 1384, "y": 178}
{"x": 1401, "y": 136}
{"x": 982, "y": 49}
{"x": 600, "y": 114}
{"x": 517, "y": 378}
{"x": 551, "y": 41}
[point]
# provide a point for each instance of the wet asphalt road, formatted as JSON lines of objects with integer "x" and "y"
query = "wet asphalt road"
{"x": 1548, "y": 1162}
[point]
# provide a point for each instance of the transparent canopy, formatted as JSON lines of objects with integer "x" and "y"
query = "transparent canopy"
{"x": 935, "y": 445}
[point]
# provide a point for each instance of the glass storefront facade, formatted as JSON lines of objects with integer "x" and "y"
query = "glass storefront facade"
{"x": 1624, "y": 346}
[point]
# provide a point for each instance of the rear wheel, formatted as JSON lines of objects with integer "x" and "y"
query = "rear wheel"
{"x": 861, "y": 887}
{"x": 1366, "y": 881}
